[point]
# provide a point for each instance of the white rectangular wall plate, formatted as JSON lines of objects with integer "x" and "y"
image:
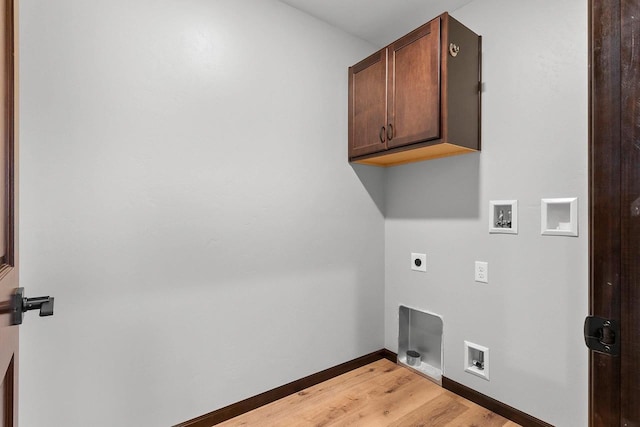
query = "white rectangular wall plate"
{"x": 476, "y": 360}
{"x": 559, "y": 217}
{"x": 481, "y": 272}
{"x": 418, "y": 262}
{"x": 503, "y": 216}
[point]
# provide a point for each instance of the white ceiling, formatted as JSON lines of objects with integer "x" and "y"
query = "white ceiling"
{"x": 377, "y": 21}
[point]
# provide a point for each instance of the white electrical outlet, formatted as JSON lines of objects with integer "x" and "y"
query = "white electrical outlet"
{"x": 419, "y": 262}
{"x": 482, "y": 272}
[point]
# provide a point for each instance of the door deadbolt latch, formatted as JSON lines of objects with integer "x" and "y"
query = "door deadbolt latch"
{"x": 602, "y": 335}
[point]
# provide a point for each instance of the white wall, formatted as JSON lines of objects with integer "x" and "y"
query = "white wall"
{"x": 185, "y": 196}
{"x": 534, "y": 137}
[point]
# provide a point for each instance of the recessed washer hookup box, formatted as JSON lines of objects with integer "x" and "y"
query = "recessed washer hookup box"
{"x": 420, "y": 332}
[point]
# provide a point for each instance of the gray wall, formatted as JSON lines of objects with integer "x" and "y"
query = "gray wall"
{"x": 186, "y": 198}
{"x": 534, "y": 136}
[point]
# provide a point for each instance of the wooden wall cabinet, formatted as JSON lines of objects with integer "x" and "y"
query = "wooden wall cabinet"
{"x": 418, "y": 98}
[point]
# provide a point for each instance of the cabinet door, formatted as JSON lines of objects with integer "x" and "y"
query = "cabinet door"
{"x": 414, "y": 86}
{"x": 368, "y": 105}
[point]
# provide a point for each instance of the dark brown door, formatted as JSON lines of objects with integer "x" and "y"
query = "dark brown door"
{"x": 414, "y": 86}
{"x": 8, "y": 247}
{"x": 368, "y": 105}
{"x": 614, "y": 188}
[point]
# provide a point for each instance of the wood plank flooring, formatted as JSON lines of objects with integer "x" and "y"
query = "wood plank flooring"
{"x": 379, "y": 394}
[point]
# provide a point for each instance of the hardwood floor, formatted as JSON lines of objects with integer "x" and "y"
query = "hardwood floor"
{"x": 379, "y": 394}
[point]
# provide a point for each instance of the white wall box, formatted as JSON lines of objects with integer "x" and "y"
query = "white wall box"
{"x": 421, "y": 332}
{"x": 476, "y": 360}
{"x": 503, "y": 216}
{"x": 559, "y": 217}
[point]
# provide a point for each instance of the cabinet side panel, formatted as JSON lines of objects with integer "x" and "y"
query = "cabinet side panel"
{"x": 463, "y": 88}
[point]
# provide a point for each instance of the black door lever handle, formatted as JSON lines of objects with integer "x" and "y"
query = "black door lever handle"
{"x": 44, "y": 304}
{"x": 22, "y": 305}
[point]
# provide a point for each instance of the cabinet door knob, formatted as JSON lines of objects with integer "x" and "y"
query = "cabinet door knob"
{"x": 382, "y": 134}
{"x": 390, "y": 132}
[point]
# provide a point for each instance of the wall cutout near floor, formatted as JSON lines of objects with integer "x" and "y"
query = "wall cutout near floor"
{"x": 420, "y": 342}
